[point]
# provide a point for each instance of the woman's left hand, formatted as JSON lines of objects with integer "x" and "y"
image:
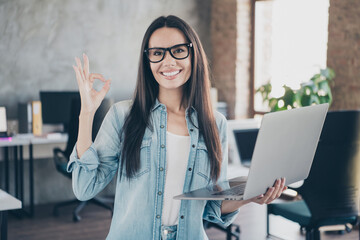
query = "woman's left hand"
{"x": 271, "y": 194}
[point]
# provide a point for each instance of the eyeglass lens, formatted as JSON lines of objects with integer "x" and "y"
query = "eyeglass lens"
{"x": 177, "y": 52}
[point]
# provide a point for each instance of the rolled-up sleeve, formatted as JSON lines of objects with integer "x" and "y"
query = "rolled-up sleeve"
{"x": 212, "y": 211}
{"x": 99, "y": 163}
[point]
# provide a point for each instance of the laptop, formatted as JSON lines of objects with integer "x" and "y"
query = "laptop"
{"x": 285, "y": 147}
{"x": 245, "y": 140}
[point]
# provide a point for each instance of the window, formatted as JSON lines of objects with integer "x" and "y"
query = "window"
{"x": 290, "y": 44}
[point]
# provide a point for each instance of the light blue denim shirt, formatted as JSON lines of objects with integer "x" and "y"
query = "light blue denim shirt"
{"x": 138, "y": 202}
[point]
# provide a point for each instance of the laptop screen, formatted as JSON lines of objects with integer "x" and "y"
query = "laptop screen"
{"x": 245, "y": 142}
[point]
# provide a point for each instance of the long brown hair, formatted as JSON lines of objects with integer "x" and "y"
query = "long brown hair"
{"x": 196, "y": 94}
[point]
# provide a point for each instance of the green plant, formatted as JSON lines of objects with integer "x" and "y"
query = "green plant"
{"x": 316, "y": 91}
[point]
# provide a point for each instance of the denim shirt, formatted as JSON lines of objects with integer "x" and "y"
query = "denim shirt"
{"x": 138, "y": 202}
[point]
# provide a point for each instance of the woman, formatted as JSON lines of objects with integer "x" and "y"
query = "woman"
{"x": 165, "y": 142}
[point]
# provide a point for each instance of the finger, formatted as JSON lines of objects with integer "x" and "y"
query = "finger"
{"x": 86, "y": 66}
{"x": 267, "y": 195}
{"x": 104, "y": 90}
{"x": 78, "y": 77}
{"x": 261, "y": 199}
{"x": 276, "y": 191}
{"x": 94, "y": 76}
{"x": 79, "y": 65}
{"x": 282, "y": 187}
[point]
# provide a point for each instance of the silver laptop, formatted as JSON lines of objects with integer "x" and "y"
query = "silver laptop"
{"x": 285, "y": 147}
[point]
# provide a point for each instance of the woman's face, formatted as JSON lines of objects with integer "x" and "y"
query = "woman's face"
{"x": 170, "y": 73}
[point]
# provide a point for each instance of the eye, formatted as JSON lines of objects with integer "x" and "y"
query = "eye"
{"x": 178, "y": 50}
{"x": 156, "y": 53}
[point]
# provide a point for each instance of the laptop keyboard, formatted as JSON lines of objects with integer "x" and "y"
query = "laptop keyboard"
{"x": 234, "y": 191}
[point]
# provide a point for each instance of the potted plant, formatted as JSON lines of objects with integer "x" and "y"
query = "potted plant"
{"x": 316, "y": 91}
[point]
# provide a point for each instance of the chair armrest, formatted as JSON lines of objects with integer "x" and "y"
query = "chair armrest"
{"x": 60, "y": 160}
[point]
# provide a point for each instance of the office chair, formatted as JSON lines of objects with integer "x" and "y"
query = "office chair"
{"x": 331, "y": 192}
{"x": 233, "y": 230}
{"x": 61, "y": 157}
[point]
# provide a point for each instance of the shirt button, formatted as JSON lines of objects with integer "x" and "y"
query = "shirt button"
{"x": 193, "y": 145}
{"x": 159, "y": 193}
{"x": 182, "y": 217}
{"x": 162, "y": 126}
{"x": 157, "y": 216}
{"x": 161, "y": 169}
{"x": 190, "y": 169}
{"x": 162, "y": 145}
{"x": 163, "y": 107}
{"x": 191, "y": 130}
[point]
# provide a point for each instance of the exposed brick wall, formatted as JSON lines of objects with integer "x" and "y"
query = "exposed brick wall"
{"x": 344, "y": 51}
{"x": 223, "y": 40}
{"x": 243, "y": 59}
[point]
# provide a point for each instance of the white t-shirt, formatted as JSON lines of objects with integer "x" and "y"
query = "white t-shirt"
{"x": 177, "y": 155}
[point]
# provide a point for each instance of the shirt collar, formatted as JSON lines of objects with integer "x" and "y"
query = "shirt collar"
{"x": 158, "y": 104}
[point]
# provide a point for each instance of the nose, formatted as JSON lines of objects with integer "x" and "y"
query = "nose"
{"x": 168, "y": 59}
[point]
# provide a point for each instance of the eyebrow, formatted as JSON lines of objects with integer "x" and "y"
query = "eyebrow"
{"x": 170, "y": 46}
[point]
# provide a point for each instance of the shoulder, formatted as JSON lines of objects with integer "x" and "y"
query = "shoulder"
{"x": 122, "y": 107}
{"x": 119, "y": 111}
{"x": 220, "y": 119}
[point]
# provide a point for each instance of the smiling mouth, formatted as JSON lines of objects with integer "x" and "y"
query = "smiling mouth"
{"x": 170, "y": 74}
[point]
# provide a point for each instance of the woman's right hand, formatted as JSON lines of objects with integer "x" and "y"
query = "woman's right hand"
{"x": 90, "y": 98}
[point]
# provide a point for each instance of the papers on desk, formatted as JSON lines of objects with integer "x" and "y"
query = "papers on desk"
{"x": 8, "y": 202}
{"x": 53, "y": 135}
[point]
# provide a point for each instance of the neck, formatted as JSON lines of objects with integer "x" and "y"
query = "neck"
{"x": 172, "y": 100}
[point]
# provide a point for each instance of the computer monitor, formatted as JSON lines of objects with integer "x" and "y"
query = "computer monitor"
{"x": 245, "y": 142}
{"x": 56, "y": 106}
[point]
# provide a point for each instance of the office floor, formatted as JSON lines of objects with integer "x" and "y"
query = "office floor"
{"x": 95, "y": 224}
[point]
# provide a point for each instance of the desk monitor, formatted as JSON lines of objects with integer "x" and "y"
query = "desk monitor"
{"x": 245, "y": 142}
{"x": 56, "y": 106}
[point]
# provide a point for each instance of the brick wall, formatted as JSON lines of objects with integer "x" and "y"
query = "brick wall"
{"x": 243, "y": 60}
{"x": 344, "y": 51}
{"x": 223, "y": 41}
{"x": 230, "y": 40}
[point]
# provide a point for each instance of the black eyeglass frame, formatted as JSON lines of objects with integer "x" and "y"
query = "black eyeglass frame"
{"x": 188, "y": 45}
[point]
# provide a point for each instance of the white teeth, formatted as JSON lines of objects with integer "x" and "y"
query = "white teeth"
{"x": 168, "y": 74}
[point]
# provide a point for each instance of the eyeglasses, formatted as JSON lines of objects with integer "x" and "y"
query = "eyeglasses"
{"x": 179, "y": 51}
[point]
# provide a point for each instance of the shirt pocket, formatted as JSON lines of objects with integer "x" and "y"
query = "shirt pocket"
{"x": 145, "y": 156}
{"x": 202, "y": 165}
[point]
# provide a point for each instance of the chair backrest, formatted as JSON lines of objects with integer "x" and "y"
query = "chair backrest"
{"x": 74, "y": 122}
{"x": 332, "y": 188}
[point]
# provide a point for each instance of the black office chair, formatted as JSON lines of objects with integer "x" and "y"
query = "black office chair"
{"x": 233, "y": 230}
{"x": 331, "y": 192}
{"x": 61, "y": 157}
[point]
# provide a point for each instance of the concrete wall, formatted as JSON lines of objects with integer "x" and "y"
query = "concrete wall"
{"x": 39, "y": 40}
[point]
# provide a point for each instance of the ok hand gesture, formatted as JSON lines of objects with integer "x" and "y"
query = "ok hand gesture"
{"x": 90, "y": 98}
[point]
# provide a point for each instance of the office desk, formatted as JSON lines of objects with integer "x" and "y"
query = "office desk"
{"x": 16, "y": 144}
{"x": 7, "y": 202}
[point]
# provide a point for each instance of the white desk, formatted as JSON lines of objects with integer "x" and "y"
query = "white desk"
{"x": 17, "y": 143}
{"x": 7, "y": 202}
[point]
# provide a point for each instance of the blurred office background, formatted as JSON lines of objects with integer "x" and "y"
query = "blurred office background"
{"x": 39, "y": 40}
